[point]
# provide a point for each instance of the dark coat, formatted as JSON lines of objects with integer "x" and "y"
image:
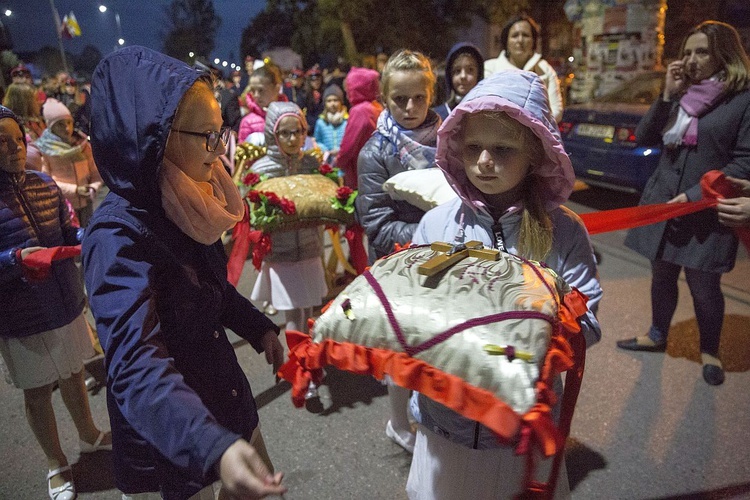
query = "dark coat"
{"x": 176, "y": 395}
{"x": 698, "y": 240}
{"x": 33, "y": 213}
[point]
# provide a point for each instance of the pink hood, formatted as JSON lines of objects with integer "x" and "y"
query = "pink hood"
{"x": 362, "y": 84}
{"x": 523, "y": 96}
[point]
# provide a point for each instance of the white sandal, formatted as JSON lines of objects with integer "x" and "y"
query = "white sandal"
{"x": 65, "y": 492}
{"x": 97, "y": 446}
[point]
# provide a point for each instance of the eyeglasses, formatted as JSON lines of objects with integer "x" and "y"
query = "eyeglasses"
{"x": 212, "y": 138}
{"x": 287, "y": 134}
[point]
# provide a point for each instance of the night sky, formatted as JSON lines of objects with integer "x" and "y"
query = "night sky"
{"x": 32, "y": 26}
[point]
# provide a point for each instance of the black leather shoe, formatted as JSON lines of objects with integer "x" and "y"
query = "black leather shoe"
{"x": 633, "y": 345}
{"x": 713, "y": 375}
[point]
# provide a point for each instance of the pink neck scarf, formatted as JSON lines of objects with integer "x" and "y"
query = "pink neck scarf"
{"x": 698, "y": 99}
{"x": 202, "y": 210}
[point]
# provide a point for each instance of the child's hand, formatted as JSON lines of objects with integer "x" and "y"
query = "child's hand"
{"x": 245, "y": 476}
{"x": 28, "y": 250}
{"x": 273, "y": 349}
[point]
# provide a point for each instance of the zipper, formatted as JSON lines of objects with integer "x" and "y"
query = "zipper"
{"x": 476, "y": 436}
{"x": 25, "y": 207}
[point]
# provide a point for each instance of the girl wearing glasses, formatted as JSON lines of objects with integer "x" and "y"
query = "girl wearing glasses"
{"x": 181, "y": 409}
{"x": 291, "y": 276}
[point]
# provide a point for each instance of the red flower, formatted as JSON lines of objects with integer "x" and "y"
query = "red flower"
{"x": 273, "y": 198}
{"x": 253, "y": 196}
{"x": 325, "y": 169}
{"x": 288, "y": 207}
{"x": 343, "y": 193}
{"x": 251, "y": 179}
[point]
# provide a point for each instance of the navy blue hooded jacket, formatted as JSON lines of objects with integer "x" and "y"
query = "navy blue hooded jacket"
{"x": 444, "y": 109}
{"x": 177, "y": 397}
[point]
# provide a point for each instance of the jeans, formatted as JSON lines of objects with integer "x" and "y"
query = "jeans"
{"x": 708, "y": 300}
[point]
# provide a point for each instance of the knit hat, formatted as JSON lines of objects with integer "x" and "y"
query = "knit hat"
{"x": 333, "y": 89}
{"x": 54, "y": 111}
{"x": 7, "y": 113}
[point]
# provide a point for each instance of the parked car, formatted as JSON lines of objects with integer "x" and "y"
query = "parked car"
{"x": 599, "y": 135}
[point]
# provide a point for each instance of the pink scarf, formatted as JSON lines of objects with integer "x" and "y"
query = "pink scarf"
{"x": 698, "y": 99}
{"x": 202, "y": 210}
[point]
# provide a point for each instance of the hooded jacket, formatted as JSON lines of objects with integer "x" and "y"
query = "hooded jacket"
{"x": 362, "y": 89}
{"x": 298, "y": 244}
{"x": 255, "y": 120}
{"x": 546, "y": 73}
{"x": 521, "y": 95}
{"x": 457, "y": 50}
{"x": 177, "y": 398}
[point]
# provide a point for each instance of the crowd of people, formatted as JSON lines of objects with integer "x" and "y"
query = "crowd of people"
{"x": 181, "y": 409}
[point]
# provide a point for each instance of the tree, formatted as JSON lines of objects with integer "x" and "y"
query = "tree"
{"x": 85, "y": 62}
{"x": 354, "y": 27}
{"x": 192, "y": 28}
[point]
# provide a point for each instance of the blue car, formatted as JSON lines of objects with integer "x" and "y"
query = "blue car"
{"x": 599, "y": 135}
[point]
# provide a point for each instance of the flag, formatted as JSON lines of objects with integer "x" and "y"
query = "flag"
{"x": 69, "y": 26}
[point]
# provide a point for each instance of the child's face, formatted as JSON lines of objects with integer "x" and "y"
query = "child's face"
{"x": 408, "y": 98}
{"x": 290, "y": 135}
{"x": 64, "y": 129}
{"x": 12, "y": 148}
{"x": 464, "y": 74}
{"x": 199, "y": 112}
{"x": 494, "y": 160}
{"x": 263, "y": 91}
{"x": 333, "y": 104}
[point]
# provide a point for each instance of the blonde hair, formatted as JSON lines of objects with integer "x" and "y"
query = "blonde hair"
{"x": 535, "y": 234}
{"x": 21, "y": 99}
{"x": 408, "y": 60}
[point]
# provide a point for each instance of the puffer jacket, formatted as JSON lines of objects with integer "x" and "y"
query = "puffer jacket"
{"x": 176, "y": 395}
{"x": 362, "y": 90}
{"x": 521, "y": 95}
{"x": 298, "y": 244}
{"x": 33, "y": 213}
{"x": 386, "y": 221}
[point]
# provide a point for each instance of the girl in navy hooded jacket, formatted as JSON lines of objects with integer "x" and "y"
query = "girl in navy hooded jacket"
{"x": 181, "y": 408}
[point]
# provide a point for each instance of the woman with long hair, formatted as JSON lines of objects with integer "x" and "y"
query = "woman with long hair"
{"x": 702, "y": 122}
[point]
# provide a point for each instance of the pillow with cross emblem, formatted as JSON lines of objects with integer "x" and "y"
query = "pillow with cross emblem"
{"x": 480, "y": 331}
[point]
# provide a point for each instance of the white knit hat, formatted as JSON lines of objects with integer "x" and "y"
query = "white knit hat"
{"x": 54, "y": 111}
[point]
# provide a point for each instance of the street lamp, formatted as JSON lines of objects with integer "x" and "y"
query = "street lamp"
{"x": 8, "y": 12}
{"x": 120, "y": 39}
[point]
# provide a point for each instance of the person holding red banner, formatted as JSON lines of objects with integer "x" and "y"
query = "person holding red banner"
{"x": 735, "y": 212}
{"x": 703, "y": 123}
{"x": 43, "y": 335}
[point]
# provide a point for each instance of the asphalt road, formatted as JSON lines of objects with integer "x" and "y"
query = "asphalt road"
{"x": 646, "y": 425}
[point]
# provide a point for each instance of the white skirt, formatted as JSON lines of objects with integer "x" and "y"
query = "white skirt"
{"x": 442, "y": 469}
{"x": 291, "y": 285}
{"x": 44, "y": 358}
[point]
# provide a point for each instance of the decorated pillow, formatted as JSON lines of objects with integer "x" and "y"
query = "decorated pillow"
{"x": 283, "y": 203}
{"x": 479, "y": 331}
{"x": 423, "y": 188}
